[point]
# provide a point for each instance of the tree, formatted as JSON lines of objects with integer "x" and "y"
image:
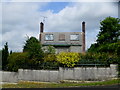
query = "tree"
{"x": 11, "y": 52}
{"x": 0, "y": 59}
{"x": 108, "y": 37}
{"x": 109, "y": 40}
{"x": 109, "y": 30}
{"x": 29, "y": 44}
{"x": 33, "y": 47}
{"x": 5, "y": 54}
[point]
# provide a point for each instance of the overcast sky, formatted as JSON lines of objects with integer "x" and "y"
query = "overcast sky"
{"x": 21, "y": 19}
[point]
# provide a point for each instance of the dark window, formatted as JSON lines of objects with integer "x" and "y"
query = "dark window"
{"x": 61, "y": 37}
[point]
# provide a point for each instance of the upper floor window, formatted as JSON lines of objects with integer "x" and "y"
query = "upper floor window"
{"x": 74, "y": 37}
{"x": 49, "y": 37}
{"x": 61, "y": 37}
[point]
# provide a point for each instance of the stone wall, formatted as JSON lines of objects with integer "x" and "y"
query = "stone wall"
{"x": 11, "y": 77}
{"x": 77, "y": 73}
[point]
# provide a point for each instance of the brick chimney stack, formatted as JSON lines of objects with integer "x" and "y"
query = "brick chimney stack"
{"x": 41, "y": 30}
{"x": 83, "y": 36}
{"x": 41, "y": 27}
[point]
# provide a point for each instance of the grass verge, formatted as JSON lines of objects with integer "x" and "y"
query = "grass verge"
{"x": 27, "y": 84}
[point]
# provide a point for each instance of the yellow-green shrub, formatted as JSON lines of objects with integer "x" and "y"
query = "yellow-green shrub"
{"x": 50, "y": 62}
{"x": 68, "y": 59}
{"x": 49, "y": 57}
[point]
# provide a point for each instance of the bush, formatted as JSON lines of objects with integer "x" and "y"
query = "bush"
{"x": 98, "y": 58}
{"x": 17, "y": 60}
{"x": 111, "y": 48}
{"x": 50, "y": 62}
{"x": 49, "y": 57}
{"x": 68, "y": 59}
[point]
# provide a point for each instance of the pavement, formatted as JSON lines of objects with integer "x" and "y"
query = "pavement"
{"x": 102, "y": 86}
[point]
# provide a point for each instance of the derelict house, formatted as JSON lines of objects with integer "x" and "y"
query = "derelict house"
{"x": 63, "y": 41}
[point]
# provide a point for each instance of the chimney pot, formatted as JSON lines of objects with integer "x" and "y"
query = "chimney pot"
{"x": 41, "y": 27}
{"x": 83, "y": 36}
{"x": 41, "y": 30}
{"x": 83, "y": 26}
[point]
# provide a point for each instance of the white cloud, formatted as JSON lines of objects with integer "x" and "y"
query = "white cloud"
{"x": 21, "y": 19}
{"x": 71, "y": 17}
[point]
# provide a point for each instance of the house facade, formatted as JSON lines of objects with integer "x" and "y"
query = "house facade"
{"x": 63, "y": 41}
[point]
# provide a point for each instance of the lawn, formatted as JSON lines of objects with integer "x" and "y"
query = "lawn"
{"x": 29, "y": 84}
